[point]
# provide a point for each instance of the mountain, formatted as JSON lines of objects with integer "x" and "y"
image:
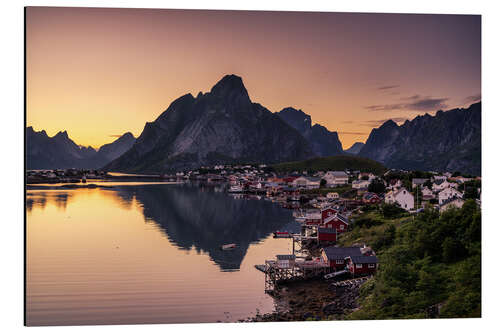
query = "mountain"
{"x": 221, "y": 126}
{"x": 115, "y": 149}
{"x": 448, "y": 141}
{"x": 355, "y": 148}
{"x": 328, "y": 163}
{"x": 323, "y": 142}
{"x": 60, "y": 152}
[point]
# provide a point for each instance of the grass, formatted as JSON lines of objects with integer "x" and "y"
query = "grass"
{"x": 340, "y": 162}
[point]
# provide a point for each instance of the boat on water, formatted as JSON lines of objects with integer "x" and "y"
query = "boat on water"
{"x": 282, "y": 234}
{"x": 228, "y": 246}
{"x": 235, "y": 189}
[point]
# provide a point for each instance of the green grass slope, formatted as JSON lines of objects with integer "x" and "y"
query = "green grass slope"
{"x": 340, "y": 162}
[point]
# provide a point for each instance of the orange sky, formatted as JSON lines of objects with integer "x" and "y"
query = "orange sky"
{"x": 101, "y": 72}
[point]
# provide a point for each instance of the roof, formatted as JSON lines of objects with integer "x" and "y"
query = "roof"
{"x": 338, "y": 173}
{"x": 364, "y": 259}
{"x": 439, "y": 181}
{"x": 327, "y": 230}
{"x": 418, "y": 180}
{"x": 334, "y": 253}
{"x": 285, "y": 257}
{"x": 447, "y": 201}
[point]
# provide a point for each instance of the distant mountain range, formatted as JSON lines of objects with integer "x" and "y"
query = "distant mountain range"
{"x": 60, "y": 152}
{"x": 448, "y": 141}
{"x": 322, "y": 141}
{"x": 355, "y": 148}
{"x": 221, "y": 126}
{"x": 224, "y": 126}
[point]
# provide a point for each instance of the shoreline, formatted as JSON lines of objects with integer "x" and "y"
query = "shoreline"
{"x": 314, "y": 299}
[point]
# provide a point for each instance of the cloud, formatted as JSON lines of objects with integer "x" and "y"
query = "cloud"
{"x": 473, "y": 98}
{"x": 388, "y": 87}
{"x": 412, "y": 103}
{"x": 115, "y": 135}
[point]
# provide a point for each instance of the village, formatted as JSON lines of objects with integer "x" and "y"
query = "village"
{"x": 328, "y": 206}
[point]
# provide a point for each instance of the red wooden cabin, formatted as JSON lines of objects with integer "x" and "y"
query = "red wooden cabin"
{"x": 327, "y": 212}
{"x": 336, "y": 256}
{"x": 362, "y": 264}
{"x": 327, "y": 235}
{"x": 338, "y": 222}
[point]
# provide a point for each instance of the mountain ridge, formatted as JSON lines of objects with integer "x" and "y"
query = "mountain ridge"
{"x": 448, "y": 141}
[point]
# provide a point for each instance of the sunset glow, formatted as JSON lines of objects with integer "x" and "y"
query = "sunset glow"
{"x": 99, "y": 72}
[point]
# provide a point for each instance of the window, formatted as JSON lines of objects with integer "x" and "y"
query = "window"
{"x": 341, "y": 227}
{"x": 371, "y": 265}
{"x": 339, "y": 261}
{"x": 359, "y": 265}
{"x": 329, "y": 213}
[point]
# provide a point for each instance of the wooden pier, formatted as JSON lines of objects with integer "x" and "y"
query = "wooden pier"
{"x": 277, "y": 271}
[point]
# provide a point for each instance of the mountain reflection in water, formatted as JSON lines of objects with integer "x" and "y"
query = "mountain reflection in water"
{"x": 204, "y": 218}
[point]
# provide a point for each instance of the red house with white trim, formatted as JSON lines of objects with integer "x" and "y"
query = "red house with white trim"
{"x": 327, "y": 212}
{"x": 338, "y": 222}
{"x": 362, "y": 265}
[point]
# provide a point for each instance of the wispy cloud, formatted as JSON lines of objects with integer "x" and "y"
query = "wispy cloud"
{"x": 388, "y": 87}
{"x": 472, "y": 99}
{"x": 115, "y": 135}
{"x": 412, "y": 103}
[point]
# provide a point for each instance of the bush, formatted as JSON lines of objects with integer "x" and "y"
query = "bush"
{"x": 391, "y": 211}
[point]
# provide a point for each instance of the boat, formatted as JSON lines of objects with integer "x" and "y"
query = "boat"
{"x": 228, "y": 246}
{"x": 282, "y": 234}
{"x": 235, "y": 189}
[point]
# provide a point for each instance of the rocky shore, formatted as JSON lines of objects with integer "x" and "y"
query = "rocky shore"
{"x": 311, "y": 300}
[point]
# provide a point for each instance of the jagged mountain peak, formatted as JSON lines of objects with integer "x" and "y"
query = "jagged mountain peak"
{"x": 222, "y": 126}
{"x": 448, "y": 141}
{"x": 324, "y": 142}
{"x": 230, "y": 86}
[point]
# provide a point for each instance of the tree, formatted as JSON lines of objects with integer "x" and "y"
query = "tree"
{"x": 322, "y": 182}
{"x": 376, "y": 186}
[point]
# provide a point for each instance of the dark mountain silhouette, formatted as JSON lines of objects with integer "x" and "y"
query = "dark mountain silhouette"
{"x": 448, "y": 141}
{"x": 323, "y": 142}
{"x": 355, "y": 148}
{"x": 221, "y": 126}
{"x": 60, "y": 152}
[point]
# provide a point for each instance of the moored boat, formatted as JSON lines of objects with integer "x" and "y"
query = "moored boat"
{"x": 228, "y": 246}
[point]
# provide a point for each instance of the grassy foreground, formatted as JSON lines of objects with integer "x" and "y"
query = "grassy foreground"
{"x": 430, "y": 264}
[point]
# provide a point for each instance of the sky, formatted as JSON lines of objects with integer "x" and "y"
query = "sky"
{"x": 101, "y": 72}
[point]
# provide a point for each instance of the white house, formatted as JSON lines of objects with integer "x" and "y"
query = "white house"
{"x": 401, "y": 197}
{"x": 452, "y": 202}
{"x": 448, "y": 193}
{"x": 306, "y": 182}
{"x": 439, "y": 185}
{"x": 427, "y": 193}
{"x": 370, "y": 176}
{"x": 359, "y": 184}
{"x": 336, "y": 178}
{"x": 439, "y": 177}
{"x": 332, "y": 195}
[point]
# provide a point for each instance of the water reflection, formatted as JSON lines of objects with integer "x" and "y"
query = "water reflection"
{"x": 191, "y": 216}
{"x": 39, "y": 199}
{"x": 205, "y": 218}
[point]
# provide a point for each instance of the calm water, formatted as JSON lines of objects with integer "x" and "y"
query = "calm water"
{"x": 148, "y": 254}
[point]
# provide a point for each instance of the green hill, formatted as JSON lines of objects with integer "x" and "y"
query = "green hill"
{"x": 340, "y": 162}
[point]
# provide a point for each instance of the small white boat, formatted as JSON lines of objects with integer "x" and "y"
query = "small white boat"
{"x": 228, "y": 246}
{"x": 235, "y": 189}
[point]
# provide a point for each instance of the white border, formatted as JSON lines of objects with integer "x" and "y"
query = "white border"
{"x": 11, "y": 240}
